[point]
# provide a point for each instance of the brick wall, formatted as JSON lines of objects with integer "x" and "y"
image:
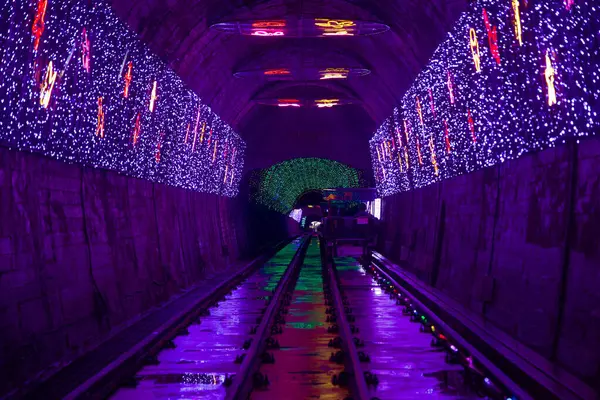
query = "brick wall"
{"x": 519, "y": 244}
{"x": 83, "y": 252}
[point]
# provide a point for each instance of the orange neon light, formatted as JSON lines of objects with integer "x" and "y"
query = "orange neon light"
{"x": 47, "y": 86}
{"x": 215, "y": 152}
{"x": 389, "y": 151}
{"x": 432, "y": 103}
{"x": 419, "y": 152}
{"x": 334, "y": 27}
{"x": 549, "y": 74}
{"x": 471, "y": 126}
{"x": 450, "y": 88}
{"x": 85, "y": 51}
{"x": 419, "y": 110}
{"x": 153, "y": 96}
{"x": 268, "y": 24}
{"x": 378, "y": 154}
{"x": 127, "y": 78}
{"x": 38, "y": 23}
{"x": 475, "y": 49}
{"x": 202, "y": 132}
{"x": 517, "y": 21}
{"x": 137, "y": 130}
{"x": 100, "y": 122}
{"x": 278, "y": 71}
{"x": 196, "y": 130}
{"x": 447, "y": 137}
{"x": 492, "y": 32}
{"x": 158, "y": 147}
{"x": 433, "y": 159}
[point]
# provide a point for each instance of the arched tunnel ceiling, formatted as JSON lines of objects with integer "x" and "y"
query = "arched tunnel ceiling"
{"x": 179, "y": 32}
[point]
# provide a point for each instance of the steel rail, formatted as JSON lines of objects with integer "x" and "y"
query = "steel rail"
{"x": 352, "y": 365}
{"x": 243, "y": 380}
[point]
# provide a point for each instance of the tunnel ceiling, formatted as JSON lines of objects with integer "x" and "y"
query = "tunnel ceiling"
{"x": 179, "y": 32}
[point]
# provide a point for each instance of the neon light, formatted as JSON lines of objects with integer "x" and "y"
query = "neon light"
{"x": 288, "y": 103}
{"x": 406, "y": 131}
{"x": 406, "y": 158}
{"x": 399, "y": 138}
{"x": 268, "y": 24}
{"x": 419, "y": 110}
{"x": 450, "y": 88}
{"x": 153, "y": 96}
{"x": 85, "y": 51}
{"x": 225, "y": 175}
{"x": 433, "y": 159}
{"x": 100, "y": 122}
{"x": 196, "y": 131}
{"x": 517, "y": 21}
{"x": 378, "y": 154}
{"x": 569, "y": 4}
{"x": 187, "y": 133}
{"x": 267, "y": 33}
{"x": 202, "y": 132}
{"x": 472, "y": 126}
{"x": 475, "y": 49}
{"x": 419, "y": 152}
{"x": 334, "y": 27}
{"x": 209, "y": 136}
{"x": 137, "y": 130}
{"x": 38, "y": 23}
{"x": 127, "y": 78}
{"x": 279, "y": 71}
{"x": 400, "y": 162}
{"x": 432, "y": 103}
{"x": 158, "y": 147}
{"x": 447, "y": 138}
{"x": 492, "y": 32}
{"x": 328, "y": 103}
{"x": 334, "y": 73}
{"x": 549, "y": 74}
{"x": 214, "y": 151}
{"x": 389, "y": 151}
{"x": 47, "y": 85}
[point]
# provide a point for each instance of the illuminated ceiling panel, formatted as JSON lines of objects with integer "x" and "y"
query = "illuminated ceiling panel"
{"x": 304, "y": 73}
{"x": 298, "y": 103}
{"x": 302, "y": 27}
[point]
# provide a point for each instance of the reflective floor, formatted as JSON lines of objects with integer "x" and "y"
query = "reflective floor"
{"x": 302, "y": 369}
{"x": 196, "y": 368}
{"x": 401, "y": 356}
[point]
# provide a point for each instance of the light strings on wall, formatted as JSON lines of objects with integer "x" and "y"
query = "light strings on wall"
{"x": 97, "y": 111}
{"x": 533, "y": 84}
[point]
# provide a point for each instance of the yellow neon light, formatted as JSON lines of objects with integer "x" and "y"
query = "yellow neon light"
{"x": 378, "y": 154}
{"x": 100, "y": 122}
{"x": 334, "y": 27}
{"x": 406, "y": 158}
{"x": 400, "y": 162}
{"x": 327, "y": 103}
{"x": 203, "y": 130}
{"x": 47, "y": 85}
{"x": 475, "y": 49}
{"x": 433, "y": 159}
{"x": 549, "y": 74}
{"x": 334, "y": 73}
{"x": 153, "y": 97}
{"x": 215, "y": 152}
{"x": 517, "y": 21}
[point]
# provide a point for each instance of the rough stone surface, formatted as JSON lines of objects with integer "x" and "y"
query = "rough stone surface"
{"x": 83, "y": 252}
{"x": 510, "y": 225}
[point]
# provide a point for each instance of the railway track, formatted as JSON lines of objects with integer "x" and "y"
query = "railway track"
{"x": 308, "y": 326}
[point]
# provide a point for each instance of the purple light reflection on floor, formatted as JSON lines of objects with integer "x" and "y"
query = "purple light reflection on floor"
{"x": 401, "y": 356}
{"x": 196, "y": 368}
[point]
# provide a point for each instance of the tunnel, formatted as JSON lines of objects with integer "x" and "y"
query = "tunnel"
{"x": 300, "y": 199}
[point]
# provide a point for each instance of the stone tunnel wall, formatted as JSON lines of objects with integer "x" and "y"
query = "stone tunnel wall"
{"x": 518, "y": 244}
{"x": 83, "y": 252}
